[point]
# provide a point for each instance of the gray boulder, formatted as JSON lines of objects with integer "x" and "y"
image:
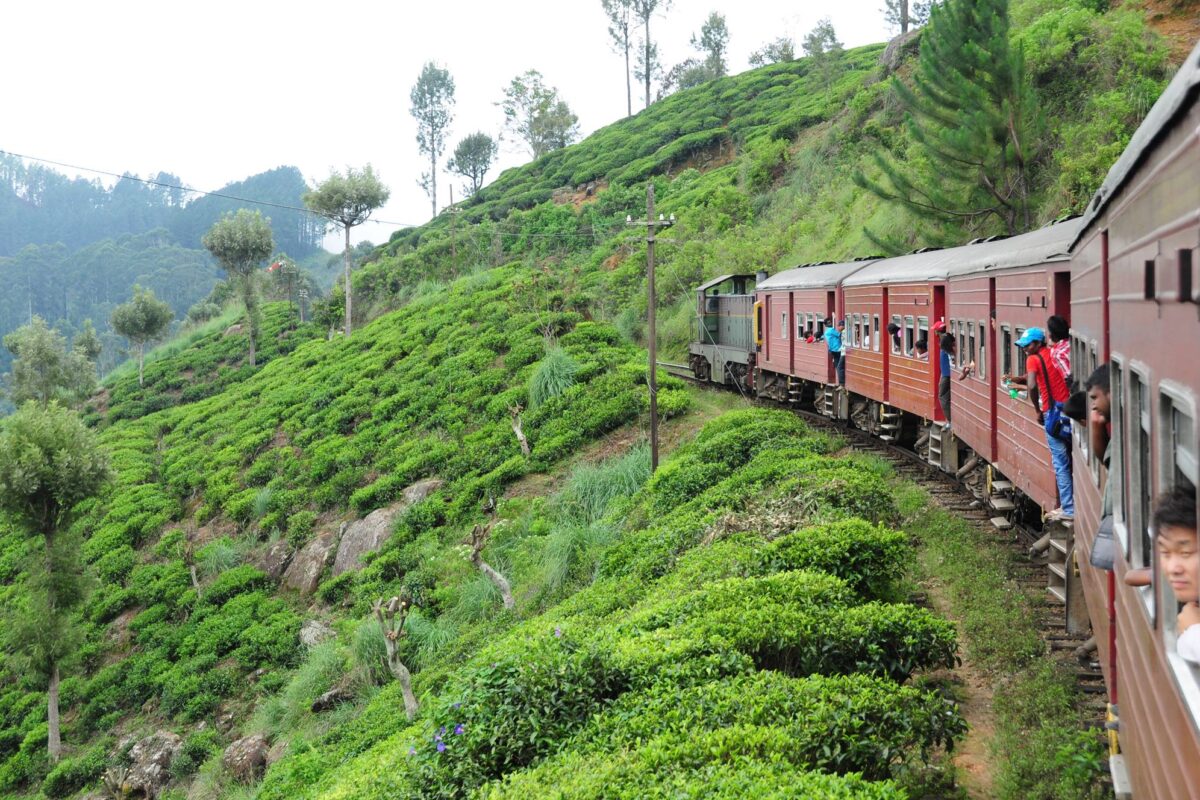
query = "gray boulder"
{"x": 304, "y": 573}
{"x": 367, "y": 535}
{"x": 275, "y": 559}
{"x": 246, "y": 759}
{"x": 150, "y": 768}
{"x": 313, "y": 632}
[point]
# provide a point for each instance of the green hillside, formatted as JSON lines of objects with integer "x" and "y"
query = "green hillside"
{"x": 738, "y": 625}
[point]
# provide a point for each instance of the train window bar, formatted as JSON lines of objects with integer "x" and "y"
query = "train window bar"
{"x": 1142, "y": 545}
{"x": 878, "y": 333}
{"x": 896, "y": 340}
{"x": 972, "y": 353}
{"x": 909, "y": 335}
{"x": 866, "y": 322}
{"x": 1016, "y": 351}
{"x": 1006, "y": 352}
{"x": 1116, "y": 460}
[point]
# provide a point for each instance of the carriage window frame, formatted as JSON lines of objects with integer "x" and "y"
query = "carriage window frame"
{"x": 800, "y": 326}
{"x": 1094, "y": 458}
{"x": 1017, "y": 353}
{"x": 922, "y": 333}
{"x": 1116, "y": 460}
{"x": 1175, "y": 401}
{"x": 909, "y": 334}
{"x": 972, "y": 343}
{"x": 866, "y": 323}
{"x": 1006, "y": 350}
{"x": 783, "y": 325}
{"x": 898, "y": 340}
{"x": 981, "y": 362}
{"x": 1141, "y": 433}
{"x": 878, "y": 333}
{"x": 960, "y": 343}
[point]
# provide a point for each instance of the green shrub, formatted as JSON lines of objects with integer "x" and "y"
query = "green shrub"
{"x": 300, "y": 528}
{"x": 555, "y": 374}
{"x": 194, "y": 751}
{"x": 871, "y": 559}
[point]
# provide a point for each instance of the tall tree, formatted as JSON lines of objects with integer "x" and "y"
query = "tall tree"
{"x": 644, "y": 10}
{"x": 781, "y": 49}
{"x": 472, "y": 159}
{"x": 902, "y": 15}
{"x": 143, "y": 319}
{"x": 433, "y": 108}
{"x": 822, "y": 47}
{"x": 49, "y": 462}
{"x": 712, "y": 42}
{"x": 348, "y": 200}
{"x": 534, "y": 113}
{"x": 44, "y": 369}
{"x": 620, "y": 22}
{"x": 647, "y": 67}
{"x": 87, "y": 342}
{"x": 240, "y": 243}
{"x": 973, "y": 115}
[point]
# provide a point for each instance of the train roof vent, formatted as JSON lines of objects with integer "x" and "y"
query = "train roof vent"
{"x": 926, "y": 250}
{"x": 999, "y": 237}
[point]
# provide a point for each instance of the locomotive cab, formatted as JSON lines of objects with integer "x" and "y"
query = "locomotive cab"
{"x": 722, "y": 347}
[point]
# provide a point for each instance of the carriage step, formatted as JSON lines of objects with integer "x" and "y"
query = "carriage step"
{"x": 1059, "y": 594}
{"x": 1002, "y": 486}
{"x": 1001, "y": 523}
{"x": 1058, "y": 569}
{"x": 887, "y": 438}
{"x": 1061, "y": 545}
{"x": 1001, "y": 503}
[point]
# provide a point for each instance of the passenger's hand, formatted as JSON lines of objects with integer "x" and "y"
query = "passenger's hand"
{"x": 1041, "y": 418}
{"x": 1138, "y": 577}
{"x": 1189, "y": 615}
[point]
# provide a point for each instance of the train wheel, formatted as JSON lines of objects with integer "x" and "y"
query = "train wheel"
{"x": 701, "y": 369}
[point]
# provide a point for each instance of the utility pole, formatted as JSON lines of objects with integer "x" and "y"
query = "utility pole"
{"x": 652, "y": 225}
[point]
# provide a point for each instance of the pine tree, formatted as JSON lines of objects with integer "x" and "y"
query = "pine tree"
{"x": 972, "y": 116}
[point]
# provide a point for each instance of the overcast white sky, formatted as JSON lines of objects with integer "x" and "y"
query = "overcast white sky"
{"x": 215, "y": 90}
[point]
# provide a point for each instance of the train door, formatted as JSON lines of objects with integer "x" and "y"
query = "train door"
{"x": 1061, "y": 304}
{"x": 993, "y": 368}
{"x": 935, "y": 348}
{"x": 831, "y": 314}
{"x": 886, "y": 346}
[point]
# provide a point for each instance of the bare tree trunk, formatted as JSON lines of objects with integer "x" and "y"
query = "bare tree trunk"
{"x": 404, "y": 678}
{"x": 346, "y": 266}
{"x": 433, "y": 179}
{"x": 647, "y": 65}
{"x": 628, "y": 80}
{"x": 903, "y": 17}
{"x": 141, "y": 363}
{"x": 54, "y": 738}
{"x": 393, "y": 631}
{"x": 515, "y": 414}
{"x": 499, "y": 580}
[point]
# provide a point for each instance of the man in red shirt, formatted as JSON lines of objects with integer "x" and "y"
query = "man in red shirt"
{"x": 1060, "y": 345}
{"x": 1048, "y": 390}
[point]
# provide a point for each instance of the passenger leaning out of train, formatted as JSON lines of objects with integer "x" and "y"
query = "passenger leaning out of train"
{"x": 1060, "y": 345}
{"x": 946, "y": 367}
{"x": 1047, "y": 388}
{"x": 833, "y": 340}
{"x": 921, "y": 348}
{"x": 1174, "y": 523}
{"x": 894, "y": 332}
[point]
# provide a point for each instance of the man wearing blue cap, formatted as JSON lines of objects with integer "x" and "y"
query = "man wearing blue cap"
{"x": 1048, "y": 391}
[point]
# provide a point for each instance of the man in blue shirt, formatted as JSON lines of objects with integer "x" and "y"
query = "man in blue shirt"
{"x": 833, "y": 340}
{"x": 947, "y": 369}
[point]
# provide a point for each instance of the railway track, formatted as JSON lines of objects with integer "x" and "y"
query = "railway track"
{"x": 959, "y": 498}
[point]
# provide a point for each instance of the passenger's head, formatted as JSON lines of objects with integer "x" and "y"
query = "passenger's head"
{"x": 922, "y": 345}
{"x": 1174, "y": 524}
{"x": 1097, "y": 389}
{"x": 842, "y": 323}
{"x": 1032, "y": 340}
{"x": 893, "y": 329}
{"x": 1076, "y": 406}
{"x": 1058, "y": 328}
{"x": 947, "y": 342}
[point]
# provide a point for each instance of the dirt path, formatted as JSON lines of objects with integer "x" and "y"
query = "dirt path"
{"x": 973, "y": 755}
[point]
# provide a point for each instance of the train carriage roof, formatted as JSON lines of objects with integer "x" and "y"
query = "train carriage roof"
{"x": 1179, "y": 96}
{"x": 718, "y": 281}
{"x": 1036, "y": 247}
{"x": 813, "y": 276}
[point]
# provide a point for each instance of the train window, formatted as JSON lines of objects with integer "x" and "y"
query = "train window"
{"x": 971, "y": 353}
{"x": 923, "y": 331}
{"x": 908, "y": 336}
{"x": 1148, "y": 280}
{"x": 981, "y": 362}
{"x": 858, "y": 330}
{"x": 820, "y": 329}
{"x": 783, "y": 324}
{"x": 866, "y": 343}
{"x": 1186, "y": 294}
{"x": 1116, "y": 459}
{"x": 899, "y": 323}
{"x": 878, "y": 333}
{"x": 1017, "y": 354}
{"x": 1006, "y": 350}
{"x": 1179, "y": 466}
{"x": 1142, "y": 545}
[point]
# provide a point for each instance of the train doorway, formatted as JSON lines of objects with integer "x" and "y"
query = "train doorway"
{"x": 1061, "y": 301}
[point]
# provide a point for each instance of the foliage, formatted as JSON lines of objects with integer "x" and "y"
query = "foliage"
{"x": 773, "y": 52}
{"x": 620, "y": 22}
{"x": 143, "y": 319}
{"x": 240, "y": 243}
{"x": 712, "y": 42}
{"x": 535, "y": 114}
{"x": 555, "y": 374}
{"x": 822, "y": 47}
{"x": 472, "y": 158}
{"x": 44, "y": 368}
{"x": 973, "y": 117}
{"x": 432, "y": 98}
{"x": 901, "y": 15}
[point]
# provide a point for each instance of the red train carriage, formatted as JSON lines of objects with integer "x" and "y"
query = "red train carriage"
{"x": 791, "y": 305}
{"x": 1136, "y": 303}
{"x": 996, "y": 290}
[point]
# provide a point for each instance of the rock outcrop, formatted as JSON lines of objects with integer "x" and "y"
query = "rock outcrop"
{"x": 246, "y": 759}
{"x": 367, "y": 535}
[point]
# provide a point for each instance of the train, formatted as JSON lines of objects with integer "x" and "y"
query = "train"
{"x": 1126, "y": 275}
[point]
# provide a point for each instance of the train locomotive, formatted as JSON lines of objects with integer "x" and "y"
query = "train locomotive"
{"x": 1127, "y": 277}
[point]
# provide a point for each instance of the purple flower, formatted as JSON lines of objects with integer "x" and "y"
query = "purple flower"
{"x": 457, "y": 705}
{"x": 412, "y": 751}
{"x": 458, "y": 730}
{"x": 441, "y": 746}
{"x": 558, "y": 632}
{"x": 441, "y": 731}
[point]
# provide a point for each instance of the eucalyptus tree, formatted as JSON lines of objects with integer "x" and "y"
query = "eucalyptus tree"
{"x": 620, "y": 25}
{"x": 713, "y": 42}
{"x": 644, "y": 10}
{"x": 240, "y": 242}
{"x": 472, "y": 159}
{"x": 823, "y": 49}
{"x": 432, "y": 98}
{"x": 774, "y": 52}
{"x": 347, "y": 201}
{"x": 87, "y": 342}
{"x": 141, "y": 320}
{"x": 49, "y": 463}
